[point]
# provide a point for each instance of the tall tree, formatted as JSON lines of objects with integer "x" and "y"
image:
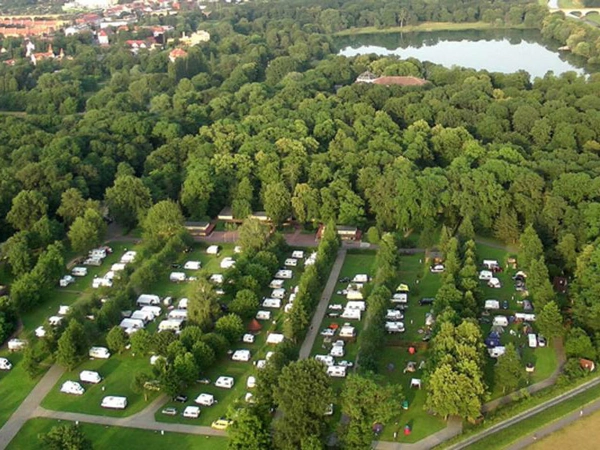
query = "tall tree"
{"x": 508, "y": 371}
{"x": 303, "y": 393}
{"x": 252, "y": 236}
{"x": 116, "y": 339}
{"x": 128, "y": 200}
{"x": 202, "y": 306}
{"x": 87, "y": 231}
{"x": 277, "y": 202}
{"x": 72, "y": 345}
{"x": 530, "y": 247}
{"x": 65, "y": 437}
{"x": 27, "y": 208}
{"x": 549, "y": 321}
{"x": 163, "y": 221}
{"x": 249, "y": 431}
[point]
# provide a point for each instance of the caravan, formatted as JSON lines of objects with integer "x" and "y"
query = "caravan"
{"x": 147, "y": 299}
{"x": 485, "y": 275}
{"x": 5, "y": 364}
{"x": 356, "y": 305}
{"x": 278, "y": 293}
{"x": 290, "y": 262}
{"x": 213, "y": 250}
{"x": 192, "y": 265}
{"x": 99, "y": 352}
{"x": 144, "y": 316}
{"x": 113, "y": 402}
{"x": 284, "y": 274}
{"x": 275, "y": 338}
{"x": 263, "y": 315}
{"x": 336, "y": 371}
{"x": 351, "y": 314}
{"x": 171, "y": 325}
{"x": 177, "y": 277}
{"x": 178, "y": 314}
{"x": 205, "y": 400}
{"x": 500, "y": 321}
{"x": 79, "y": 271}
{"x": 128, "y": 257}
{"x": 241, "y": 355}
{"x": 72, "y": 387}
{"x": 224, "y": 382}
{"x": 271, "y": 303}
{"x": 325, "y": 359}
{"x": 88, "y": 376}
{"x": 276, "y": 284}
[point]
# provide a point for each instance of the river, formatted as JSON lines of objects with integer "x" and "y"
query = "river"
{"x": 505, "y": 51}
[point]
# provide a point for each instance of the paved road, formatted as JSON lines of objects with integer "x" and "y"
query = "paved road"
{"x": 322, "y": 306}
{"x": 555, "y": 426}
{"x": 524, "y": 415}
{"x": 29, "y": 405}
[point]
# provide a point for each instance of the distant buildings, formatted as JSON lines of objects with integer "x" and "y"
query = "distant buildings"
{"x": 368, "y": 77}
{"x": 177, "y": 53}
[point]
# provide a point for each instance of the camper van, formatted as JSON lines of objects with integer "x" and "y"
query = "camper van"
{"x": 5, "y": 364}
{"x": 271, "y": 303}
{"x": 112, "y": 402}
{"x": 500, "y": 321}
{"x": 72, "y": 387}
{"x": 88, "y": 376}
{"x": 276, "y": 284}
{"x": 15, "y": 345}
{"x": 263, "y": 315}
{"x": 532, "y": 338}
{"x": 241, "y": 355}
{"x": 284, "y": 274}
{"x": 336, "y": 371}
{"x": 278, "y": 293}
{"x": 177, "y": 277}
{"x": 486, "y": 275}
{"x": 298, "y": 254}
{"x": 170, "y": 325}
{"x": 213, "y": 250}
{"x": 224, "y": 382}
{"x": 351, "y": 314}
{"x": 290, "y": 262}
{"x": 191, "y": 412}
{"x": 79, "y": 271}
{"x": 178, "y": 314}
{"x": 148, "y": 299}
{"x": 205, "y": 400}
{"x": 275, "y": 338}
{"x": 192, "y": 265}
{"x": 99, "y": 352}
{"x": 325, "y": 359}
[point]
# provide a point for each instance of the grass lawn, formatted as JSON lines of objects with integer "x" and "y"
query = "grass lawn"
{"x": 108, "y": 438}
{"x": 529, "y": 426}
{"x": 240, "y": 371}
{"x": 117, "y": 373}
{"x": 15, "y": 384}
{"x": 426, "y": 26}
{"x": 570, "y": 4}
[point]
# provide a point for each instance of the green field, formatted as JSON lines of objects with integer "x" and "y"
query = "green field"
{"x": 426, "y": 26}
{"x": 15, "y": 385}
{"x": 117, "y": 376}
{"x": 109, "y": 438}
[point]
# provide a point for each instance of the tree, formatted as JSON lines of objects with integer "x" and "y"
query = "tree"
{"x": 303, "y": 393}
{"x": 163, "y": 221}
{"x": 141, "y": 342}
{"x": 128, "y": 200}
{"x": 204, "y": 356}
{"x": 249, "y": 431}
{"x": 202, "y": 304}
{"x": 231, "y": 326}
{"x": 116, "y": 339}
{"x": 466, "y": 231}
{"x": 138, "y": 384}
{"x": 245, "y": 304}
{"x": 27, "y": 208}
{"x": 508, "y": 371}
{"x": 18, "y": 253}
{"x": 87, "y": 231}
{"x": 530, "y": 247}
{"x": 365, "y": 402}
{"x": 186, "y": 368}
{"x": 277, "y": 202}
{"x": 32, "y": 357}
{"x": 538, "y": 282}
{"x": 72, "y": 345}
{"x": 241, "y": 205}
{"x": 252, "y": 236}
{"x": 65, "y": 437}
{"x": 579, "y": 345}
{"x": 73, "y": 205}
{"x": 549, "y": 321}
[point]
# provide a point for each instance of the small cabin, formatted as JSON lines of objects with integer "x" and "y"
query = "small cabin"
{"x": 199, "y": 228}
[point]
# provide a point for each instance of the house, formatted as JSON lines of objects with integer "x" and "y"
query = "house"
{"x": 400, "y": 81}
{"x": 226, "y": 214}
{"x": 176, "y": 54}
{"x": 346, "y": 233}
{"x": 199, "y": 228}
{"x": 366, "y": 77}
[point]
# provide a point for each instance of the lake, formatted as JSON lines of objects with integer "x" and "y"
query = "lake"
{"x": 505, "y": 51}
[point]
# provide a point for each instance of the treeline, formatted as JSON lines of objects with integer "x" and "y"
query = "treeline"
{"x": 581, "y": 38}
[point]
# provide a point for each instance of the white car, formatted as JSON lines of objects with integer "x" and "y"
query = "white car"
{"x": 5, "y": 364}
{"x": 336, "y": 307}
{"x": 327, "y": 332}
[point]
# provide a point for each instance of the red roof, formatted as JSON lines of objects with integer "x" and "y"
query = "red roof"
{"x": 400, "y": 81}
{"x": 178, "y": 53}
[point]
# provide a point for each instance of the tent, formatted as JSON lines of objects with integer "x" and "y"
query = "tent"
{"x": 415, "y": 383}
{"x": 254, "y": 326}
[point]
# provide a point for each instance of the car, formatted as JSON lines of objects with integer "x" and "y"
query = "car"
{"x": 541, "y": 341}
{"x": 333, "y": 314}
{"x": 426, "y": 301}
{"x": 505, "y": 304}
{"x": 203, "y": 381}
{"x": 327, "y": 332}
{"x": 180, "y": 398}
{"x": 169, "y": 411}
{"x": 221, "y": 424}
{"x": 175, "y": 266}
{"x": 336, "y": 307}
{"x": 345, "y": 363}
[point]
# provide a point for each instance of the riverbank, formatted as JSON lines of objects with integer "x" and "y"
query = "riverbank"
{"x": 430, "y": 26}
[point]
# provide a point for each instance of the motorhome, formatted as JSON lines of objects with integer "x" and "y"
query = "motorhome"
{"x": 205, "y": 400}
{"x": 72, "y": 387}
{"x": 224, "y": 382}
{"x": 241, "y": 355}
{"x": 89, "y": 376}
{"x": 113, "y": 402}
{"x": 79, "y": 271}
{"x": 271, "y": 303}
{"x": 99, "y": 352}
{"x": 147, "y": 300}
{"x": 336, "y": 371}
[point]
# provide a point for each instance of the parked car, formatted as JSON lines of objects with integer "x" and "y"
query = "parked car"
{"x": 426, "y": 301}
{"x": 541, "y": 341}
{"x": 505, "y": 304}
{"x": 333, "y": 314}
{"x": 169, "y": 411}
{"x": 180, "y": 398}
{"x": 221, "y": 424}
{"x": 203, "y": 381}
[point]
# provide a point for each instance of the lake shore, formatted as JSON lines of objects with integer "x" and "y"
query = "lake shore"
{"x": 430, "y": 26}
